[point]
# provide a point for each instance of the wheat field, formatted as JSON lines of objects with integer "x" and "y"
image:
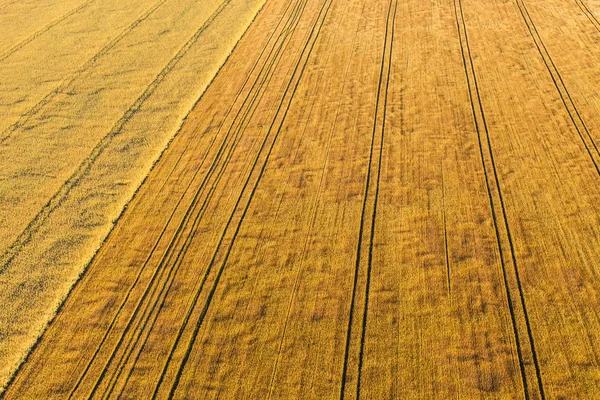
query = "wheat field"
{"x": 91, "y": 93}
{"x": 371, "y": 199}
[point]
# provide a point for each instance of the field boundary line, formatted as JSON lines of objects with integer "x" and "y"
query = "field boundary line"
{"x": 176, "y": 238}
{"x": 237, "y": 137}
{"x": 84, "y": 275}
{"x": 182, "y": 224}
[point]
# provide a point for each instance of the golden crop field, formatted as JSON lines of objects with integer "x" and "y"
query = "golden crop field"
{"x": 371, "y": 199}
{"x": 91, "y": 92}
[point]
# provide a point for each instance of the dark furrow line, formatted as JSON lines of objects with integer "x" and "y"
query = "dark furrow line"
{"x": 376, "y": 200}
{"x": 171, "y": 244}
{"x": 148, "y": 258}
{"x": 152, "y": 308}
{"x": 530, "y": 24}
{"x": 446, "y": 252}
{"x": 45, "y": 29}
{"x": 504, "y": 214}
{"x": 167, "y": 285}
{"x": 65, "y": 83}
{"x": 158, "y": 273}
{"x": 312, "y": 222}
{"x": 362, "y": 222}
{"x": 589, "y": 14}
{"x": 86, "y": 165}
{"x": 120, "y": 309}
{"x": 149, "y": 293}
{"x": 313, "y": 34}
{"x": 194, "y": 202}
{"x": 137, "y": 277}
{"x": 493, "y": 210}
{"x": 157, "y": 305}
{"x": 548, "y": 62}
{"x": 142, "y": 269}
{"x": 181, "y": 125}
{"x": 224, "y": 142}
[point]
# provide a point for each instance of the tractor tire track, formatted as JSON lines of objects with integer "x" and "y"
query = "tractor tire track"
{"x": 588, "y": 13}
{"x": 376, "y": 200}
{"x": 195, "y": 200}
{"x": 301, "y": 7}
{"x": 157, "y": 305}
{"x": 181, "y": 225}
{"x": 73, "y": 181}
{"x": 574, "y": 115}
{"x": 386, "y": 59}
{"x": 297, "y": 71}
{"x": 480, "y": 122}
{"x": 45, "y": 29}
{"x": 206, "y": 275}
{"x": 311, "y": 227}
